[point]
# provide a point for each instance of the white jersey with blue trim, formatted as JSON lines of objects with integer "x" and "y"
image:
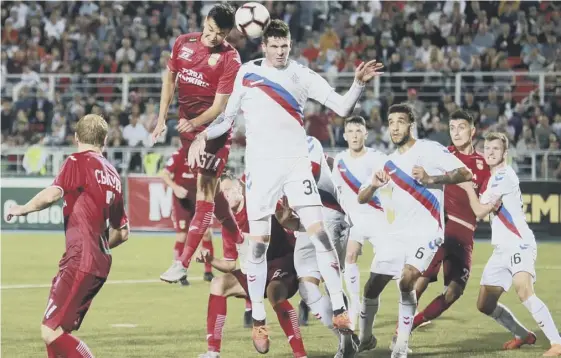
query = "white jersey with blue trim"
{"x": 272, "y": 101}
{"x": 419, "y": 210}
{"x": 324, "y": 180}
{"x": 351, "y": 173}
{"x": 508, "y": 225}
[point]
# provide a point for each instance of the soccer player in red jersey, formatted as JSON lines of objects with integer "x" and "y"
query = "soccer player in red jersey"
{"x": 282, "y": 280}
{"x": 95, "y": 221}
{"x": 179, "y": 176}
{"x": 455, "y": 254}
{"x": 203, "y": 67}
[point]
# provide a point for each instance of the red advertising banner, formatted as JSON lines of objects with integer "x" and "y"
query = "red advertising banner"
{"x": 150, "y": 204}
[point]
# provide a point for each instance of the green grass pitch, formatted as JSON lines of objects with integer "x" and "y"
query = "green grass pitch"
{"x": 152, "y": 319}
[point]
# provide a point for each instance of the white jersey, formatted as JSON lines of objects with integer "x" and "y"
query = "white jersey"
{"x": 419, "y": 210}
{"x": 272, "y": 101}
{"x": 509, "y": 225}
{"x": 324, "y": 180}
{"x": 351, "y": 173}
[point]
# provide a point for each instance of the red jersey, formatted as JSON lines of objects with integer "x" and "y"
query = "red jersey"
{"x": 182, "y": 174}
{"x": 93, "y": 202}
{"x": 202, "y": 72}
{"x": 282, "y": 241}
{"x": 456, "y": 201}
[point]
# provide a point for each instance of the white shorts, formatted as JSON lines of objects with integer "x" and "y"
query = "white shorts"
{"x": 267, "y": 180}
{"x": 368, "y": 227}
{"x": 505, "y": 262}
{"x": 392, "y": 255}
{"x": 305, "y": 261}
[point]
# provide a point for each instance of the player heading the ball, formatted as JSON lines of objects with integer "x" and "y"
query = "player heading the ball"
{"x": 272, "y": 92}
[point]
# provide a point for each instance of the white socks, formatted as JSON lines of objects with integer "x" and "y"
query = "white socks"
{"x": 407, "y": 307}
{"x": 541, "y": 314}
{"x": 352, "y": 281}
{"x": 367, "y": 316}
{"x": 256, "y": 270}
{"x": 328, "y": 264}
{"x": 505, "y": 318}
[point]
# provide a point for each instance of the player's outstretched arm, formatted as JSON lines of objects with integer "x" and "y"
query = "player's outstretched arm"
{"x": 480, "y": 210}
{"x": 118, "y": 236}
{"x": 166, "y": 96}
{"x": 454, "y": 176}
{"x": 42, "y": 200}
{"x": 178, "y": 190}
{"x": 224, "y": 266}
{"x": 344, "y": 105}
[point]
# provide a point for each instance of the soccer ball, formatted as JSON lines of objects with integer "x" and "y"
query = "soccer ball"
{"x": 252, "y": 18}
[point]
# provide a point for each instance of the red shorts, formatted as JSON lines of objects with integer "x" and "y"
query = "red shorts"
{"x": 281, "y": 269}
{"x": 182, "y": 213}
{"x": 454, "y": 255}
{"x": 216, "y": 154}
{"x": 71, "y": 295}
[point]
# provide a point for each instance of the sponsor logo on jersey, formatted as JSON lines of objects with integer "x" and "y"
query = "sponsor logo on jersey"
{"x": 479, "y": 164}
{"x": 213, "y": 59}
{"x": 185, "y": 53}
{"x": 192, "y": 77}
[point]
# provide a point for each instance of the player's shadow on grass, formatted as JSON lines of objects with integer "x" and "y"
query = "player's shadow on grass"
{"x": 488, "y": 343}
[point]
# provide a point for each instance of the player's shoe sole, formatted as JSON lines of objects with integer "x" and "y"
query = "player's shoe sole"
{"x": 516, "y": 343}
{"x": 184, "y": 282}
{"x": 554, "y": 351}
{"x": 260, "y": 337}
{"x": 175, "y": 273}
{"x": 424, "y": 324}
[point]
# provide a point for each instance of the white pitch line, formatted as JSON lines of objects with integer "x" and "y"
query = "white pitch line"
{"x": 132, "y": 282}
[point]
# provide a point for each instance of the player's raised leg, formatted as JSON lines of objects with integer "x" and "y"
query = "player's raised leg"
{"x": 523, "y": 282}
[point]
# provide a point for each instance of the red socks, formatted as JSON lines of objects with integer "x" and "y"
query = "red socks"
{"x": 223, "y": 213}
{"x": 178, "y": 250}
{"x": 208, "y": 246}
{"x": 69, "y": 346}
{"x": 432, "y": 311}
{"x": 216, "y": 317}
{"x": 288, "y": 320}
{"x": 199, "y": 225}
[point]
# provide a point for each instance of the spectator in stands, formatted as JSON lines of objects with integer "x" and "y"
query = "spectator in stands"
{"x": 319, "y": 125}
{"x": 490, "y": 109}
{"x": 126, "y": 54}
{"x": 543, "y": 132}
{"x": 134, "y": 133}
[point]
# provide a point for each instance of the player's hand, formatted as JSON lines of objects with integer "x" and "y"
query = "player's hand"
{"x": 420, "y": 175}
{"x": 159, "y": 130}
{"x": 204, "y": 256}
{"x": 180, "y": 192}
{"x": 197, "y": 150}
{"x": 15, "y": 210}
{"x": 380, "y": 178}
{"x": 185, "y": 126}
{"x": 367, "y": 71}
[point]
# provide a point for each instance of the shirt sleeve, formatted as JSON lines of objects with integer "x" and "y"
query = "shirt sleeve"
{"x": 69, "y": 178}
{"x": 172, "y": 62}
{"x": 118, "y": 216}
{"x": 318, "y": 88}
{"x": 442, "y": 159}
{"x": 231, "y": 68}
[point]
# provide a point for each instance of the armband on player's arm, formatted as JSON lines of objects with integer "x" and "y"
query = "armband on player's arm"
{"x": 343, "y": 105}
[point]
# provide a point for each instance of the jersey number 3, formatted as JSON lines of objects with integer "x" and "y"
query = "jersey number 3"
{"x": 309, "y": 187}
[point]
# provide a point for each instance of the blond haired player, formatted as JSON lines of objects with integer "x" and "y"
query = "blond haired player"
{"x": 514, "y": 255}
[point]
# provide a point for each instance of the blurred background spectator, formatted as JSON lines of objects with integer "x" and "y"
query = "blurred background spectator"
{"x": 108, "y": 57}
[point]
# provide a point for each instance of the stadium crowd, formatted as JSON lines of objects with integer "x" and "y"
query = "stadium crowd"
{"x": 439, "y": 38}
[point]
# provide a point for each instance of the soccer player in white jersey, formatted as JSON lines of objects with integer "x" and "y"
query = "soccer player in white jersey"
{"x": 416, "y": 171}
{"x": 271, "y": 93}
{"x": 352, "y": 169}
{"x": 514, "y": 255}
{"x": 305, "y": 261}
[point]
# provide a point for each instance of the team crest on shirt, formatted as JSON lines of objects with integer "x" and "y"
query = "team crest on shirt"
{"x": 213, "y": 59}
{"x": 185, "y": 53}
{"x": 479, "y": 164}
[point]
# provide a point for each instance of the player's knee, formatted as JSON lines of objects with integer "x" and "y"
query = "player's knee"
{"x": 206, "y": 187}
{"x": 351, "y": 257}
{"x": 276, "y": 292}
{"x": 49, "y": 335}
{"x": 218, "y": 286}
{"x": 408, "y": 278}
{"x": 309, "y": 291}
{"x": 452, "y": 294}
{"x": 258, "y": 250}
{"x": 486, "y": 306}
